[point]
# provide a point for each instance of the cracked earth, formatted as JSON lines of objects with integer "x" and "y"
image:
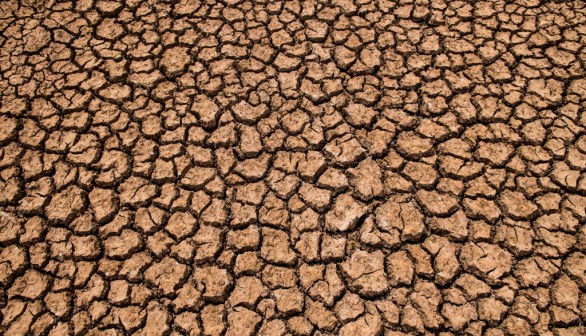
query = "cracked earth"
{"x": 371, "y": 168}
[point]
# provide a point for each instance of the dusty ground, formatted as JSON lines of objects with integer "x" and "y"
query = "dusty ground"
{"x": 300, "y": 168}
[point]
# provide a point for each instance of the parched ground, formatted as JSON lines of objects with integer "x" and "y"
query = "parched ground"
{"x": 226, "y": 167}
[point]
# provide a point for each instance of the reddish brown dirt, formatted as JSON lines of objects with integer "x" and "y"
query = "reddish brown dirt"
{"x": 371, "y": 168}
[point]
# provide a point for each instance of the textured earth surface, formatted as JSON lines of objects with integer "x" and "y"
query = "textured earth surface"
{"x": 370, "y": 168}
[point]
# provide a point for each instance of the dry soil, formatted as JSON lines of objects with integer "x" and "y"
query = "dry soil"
{"x": 354, "y": 168}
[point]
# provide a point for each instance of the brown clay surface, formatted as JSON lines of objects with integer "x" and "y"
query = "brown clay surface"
{"x": 370, "y": 168}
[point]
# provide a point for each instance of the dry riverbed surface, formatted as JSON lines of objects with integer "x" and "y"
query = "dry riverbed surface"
{"x": 226, "y": 167}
